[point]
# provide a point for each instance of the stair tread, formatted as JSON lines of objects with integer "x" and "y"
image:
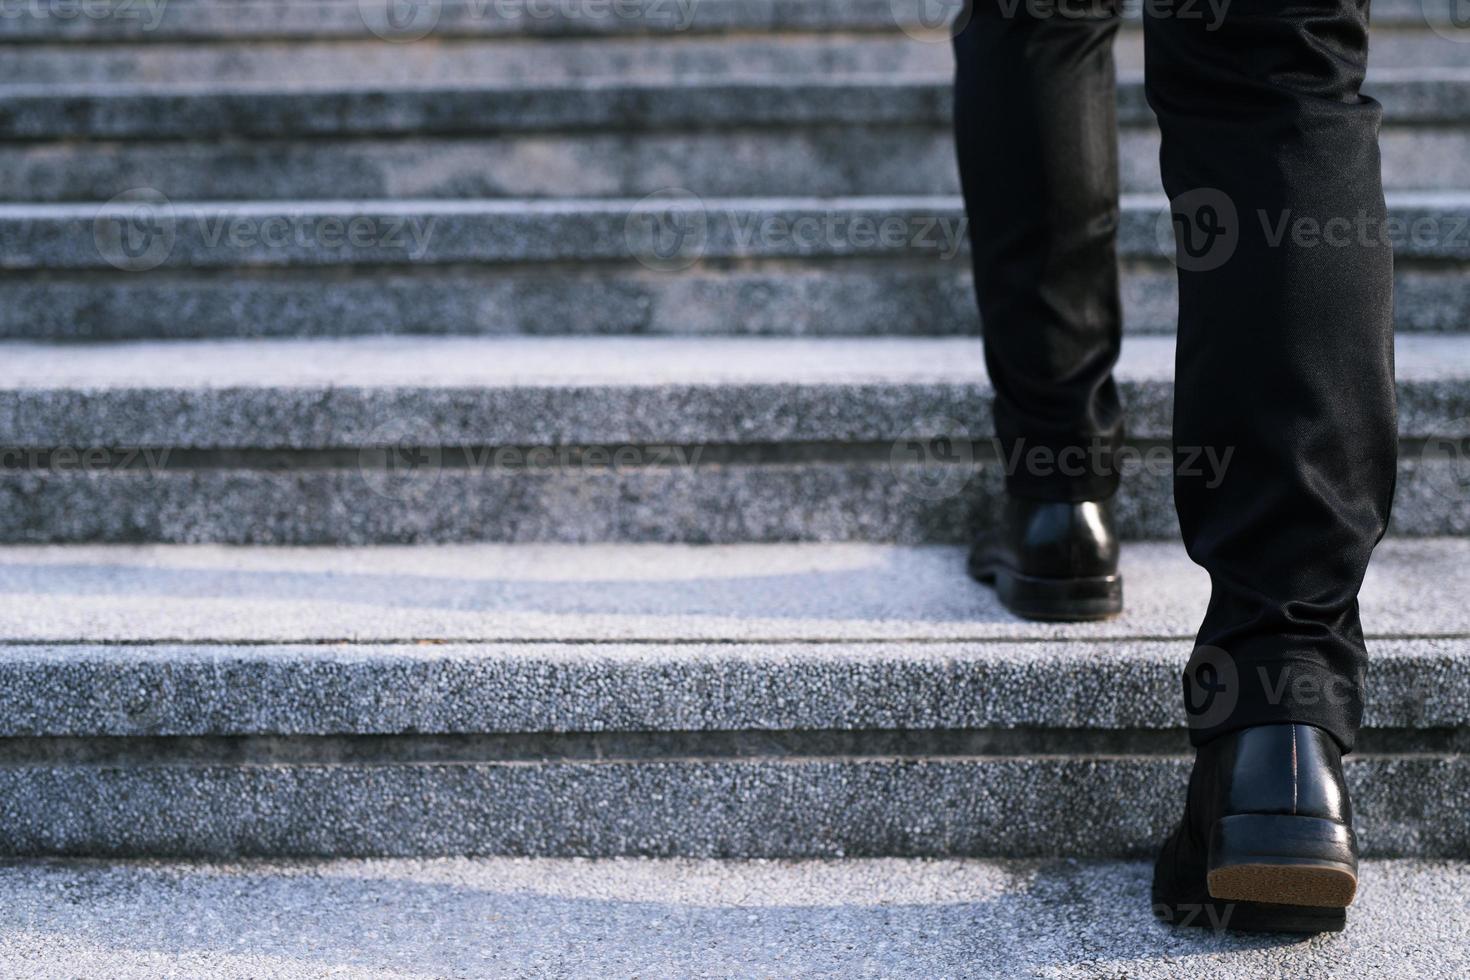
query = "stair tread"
{"x": 467, "y": 18}
{"x": 272, "y": 108}
{"x": 677, "y": 918}
{"x": 631, "y": 593}
{"x": 498, "y": 391}
{"x": 638, "y": 638}
{"x": 423, "y": 232}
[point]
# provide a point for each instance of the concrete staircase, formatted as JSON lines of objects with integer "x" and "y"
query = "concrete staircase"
{"x": 636, "y": 359}
{"x": 506, "y": 917}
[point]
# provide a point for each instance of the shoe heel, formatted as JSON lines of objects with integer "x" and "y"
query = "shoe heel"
{"x": 1060, "y": 600}
{"x": 1283, "y": 860}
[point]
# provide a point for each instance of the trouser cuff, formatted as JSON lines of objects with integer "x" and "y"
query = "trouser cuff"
{"x": 1225, "y": 692}
{"x": 1068, "y": 472}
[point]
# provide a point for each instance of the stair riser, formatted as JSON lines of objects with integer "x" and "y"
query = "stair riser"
{"x": 752, "y": 417}
{"x": 107, "y": 111}
{"x": 153, "y": 21}
{"x": 850, "y": 297}
{"x": 834, "y": 501}
{"x": 817, "y": 162}
{"x": 1029, "y": 694}
{"x": 148, "y": 232}
{"x": 748, "y": 808}
{"x": 689, "y": 56}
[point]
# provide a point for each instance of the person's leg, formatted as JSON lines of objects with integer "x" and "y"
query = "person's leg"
{"x": 1285, "y": 362}
{"x": 1036, "y": 132}
{"x": 1285, "y": 355}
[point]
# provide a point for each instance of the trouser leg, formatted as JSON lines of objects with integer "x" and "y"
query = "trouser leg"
{"x": 1035, "y": 121}
{"x": 1285, "y": 357}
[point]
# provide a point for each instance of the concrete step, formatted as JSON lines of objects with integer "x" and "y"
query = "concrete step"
{"x": 1425, "y": 227}
{"x": 873, "y": 88}
{"x": 138, "y": 640}
{"x": 700, "y": 440}
{"x": 394, "y": 920}
{"x": 214, "y": 20}
{"x": 688, "y": 55}
{"x": 145, "y": 267}
{"x": 745, "y": 701}
{"x": 879, "y": 135}
{"x": 256, "y": 20}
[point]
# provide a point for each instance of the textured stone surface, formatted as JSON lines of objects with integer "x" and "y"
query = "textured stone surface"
{"x": 853, "y": 297}
{"x": 449, "y": 392}
{"x": 524, "y": 63}
{"x": 269, "y": 19}
{"x": 189, "y": 689}
{"x": 1411, "y": 805}
{"x": 1428, "y": 225}
{"x": 132, "y": 641}
{"x": 475, "y": 106}
{"x": 868, "y": 157}
{"x": 510, "y": 62}
{"x": 273, "y": 19}
{"x": 396, "y": 919}
{"x": 856, "y": 593}
{"x": 807, "y": 496}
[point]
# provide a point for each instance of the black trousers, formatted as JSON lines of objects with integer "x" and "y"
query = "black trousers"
{"x": 1285, "y": 341}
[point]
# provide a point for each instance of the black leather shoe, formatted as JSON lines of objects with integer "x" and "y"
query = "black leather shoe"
{"x": 1267, "y": 842}
{"x": 1052, "y": 561}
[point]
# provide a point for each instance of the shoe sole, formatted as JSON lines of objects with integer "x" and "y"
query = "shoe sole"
{"x": 1281, "y": 859}
{"x": 1209, "y": 913}
{"x": 1053, "y": 600}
